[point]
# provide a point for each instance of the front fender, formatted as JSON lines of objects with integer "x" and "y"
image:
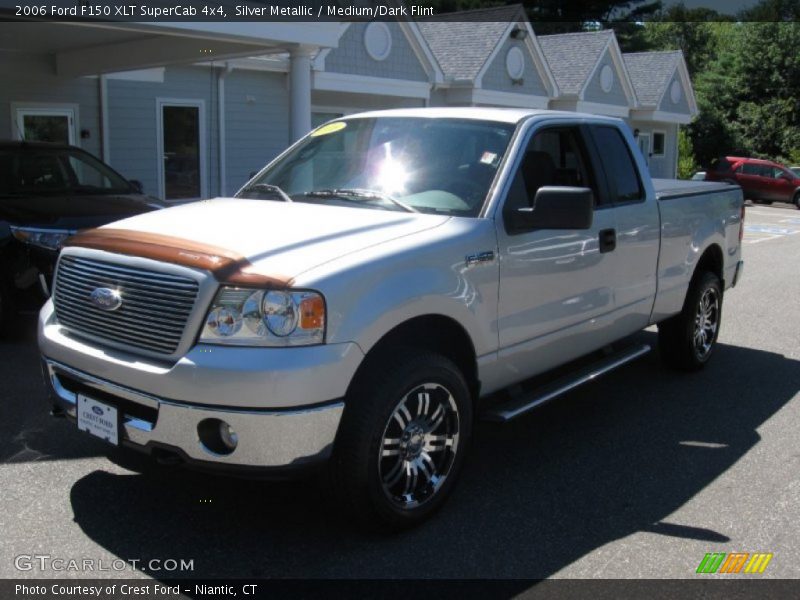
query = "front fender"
{"x": 368, "y": 294}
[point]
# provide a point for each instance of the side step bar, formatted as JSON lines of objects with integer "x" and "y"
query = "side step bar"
{"x": 517, "y": 406}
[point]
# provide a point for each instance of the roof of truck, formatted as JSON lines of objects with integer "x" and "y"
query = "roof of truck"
{"x": 503, "y": 115}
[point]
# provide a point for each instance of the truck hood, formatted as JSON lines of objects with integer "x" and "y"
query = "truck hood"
{"x": 280, "y": 238}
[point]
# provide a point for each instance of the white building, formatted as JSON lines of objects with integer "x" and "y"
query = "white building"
{"x": 191, "y": 109}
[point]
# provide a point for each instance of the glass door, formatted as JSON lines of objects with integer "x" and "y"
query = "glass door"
{"x": 181, "y": 146}
{"x": 644, "y": 146}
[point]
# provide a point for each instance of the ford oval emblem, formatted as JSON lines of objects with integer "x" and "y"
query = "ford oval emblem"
{"x": 106, "y": 299}
{"x": 97, "y": 410}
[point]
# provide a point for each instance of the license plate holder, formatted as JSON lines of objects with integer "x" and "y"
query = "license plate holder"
{"x": 98, "y": 419}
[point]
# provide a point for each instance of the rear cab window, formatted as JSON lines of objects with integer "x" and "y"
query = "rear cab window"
{"x": 618, "y": 165}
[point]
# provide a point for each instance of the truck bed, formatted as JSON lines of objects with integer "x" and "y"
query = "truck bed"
{"x": 668, "y": 189}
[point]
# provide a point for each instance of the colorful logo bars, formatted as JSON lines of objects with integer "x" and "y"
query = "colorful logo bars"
{"x": 735, "y": 562}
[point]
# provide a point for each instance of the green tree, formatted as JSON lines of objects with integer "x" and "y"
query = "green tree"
{"x": 750, "y": 94}
{"x": 695, "y": 31}
{"x": 687, "y": 165}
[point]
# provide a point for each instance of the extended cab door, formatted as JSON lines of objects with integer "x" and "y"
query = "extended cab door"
{"x": 556, "y": 286}
{"x": 638, "y": 229}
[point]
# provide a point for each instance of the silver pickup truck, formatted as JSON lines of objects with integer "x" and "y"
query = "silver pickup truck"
{"x": 378, "y": 287}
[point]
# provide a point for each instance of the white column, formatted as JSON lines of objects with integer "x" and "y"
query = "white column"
{"x": 300, "y": 92}
{"x": 105, "y": 133}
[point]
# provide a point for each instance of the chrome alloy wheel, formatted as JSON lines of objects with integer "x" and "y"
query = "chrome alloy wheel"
{"x": 706, "y": 321}
{"x": 419, "y": 445}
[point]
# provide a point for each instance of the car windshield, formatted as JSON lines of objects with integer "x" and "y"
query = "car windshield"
{"x": 55, "y": 171}
{"x": 392, "y": 163}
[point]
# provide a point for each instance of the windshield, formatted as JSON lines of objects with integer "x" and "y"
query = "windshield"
{"x": 55, "y": 171}
{"x": 391, "y": 163}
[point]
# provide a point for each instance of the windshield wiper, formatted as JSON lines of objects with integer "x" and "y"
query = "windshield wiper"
{"x": 359, "y": 193}
{"x": 268, "y": 188}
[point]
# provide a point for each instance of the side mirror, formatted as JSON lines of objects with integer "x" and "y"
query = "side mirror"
{"x": 556, "y": 207}
{"x": 136, "y": 186}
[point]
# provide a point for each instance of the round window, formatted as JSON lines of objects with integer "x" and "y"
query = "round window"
{"x": 606, "y": 78}
{"x": 378, "y": 40}
{"x": 515, "y": 63}
{"x": 675, "y": 92}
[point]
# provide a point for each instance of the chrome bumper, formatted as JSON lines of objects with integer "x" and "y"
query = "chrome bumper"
{"x": 266, "y": 438}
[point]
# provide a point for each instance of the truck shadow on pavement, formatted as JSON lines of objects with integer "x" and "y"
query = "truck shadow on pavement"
{"x": 27, "y": 432}
{"x": 613, "y": 458}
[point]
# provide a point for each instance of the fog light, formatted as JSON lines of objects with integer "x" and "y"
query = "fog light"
{"x": 217, "y": 437}
{"x": 228, "y": 435}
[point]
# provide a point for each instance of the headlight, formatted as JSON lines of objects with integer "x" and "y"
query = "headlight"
{"x": 51, "y": 239}
{"x": 248, "y": 317}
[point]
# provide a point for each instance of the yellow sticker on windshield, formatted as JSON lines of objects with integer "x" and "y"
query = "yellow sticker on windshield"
{"x": 329, "y": 128}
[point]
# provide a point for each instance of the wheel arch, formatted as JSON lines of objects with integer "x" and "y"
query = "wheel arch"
{"x": 434, "y": 332}
{"x": 712, "y": 260}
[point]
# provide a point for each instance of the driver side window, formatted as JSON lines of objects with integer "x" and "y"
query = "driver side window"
{"x": 554, "y": 157}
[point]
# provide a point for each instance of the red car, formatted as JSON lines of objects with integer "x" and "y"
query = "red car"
{"x": 761, "y": 180}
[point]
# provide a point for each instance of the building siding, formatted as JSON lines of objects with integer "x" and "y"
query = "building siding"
{"x": 659, "y": 166}
{"x": 351, "y": 56}
{"x": 256, "y": 123}
{"x": 594, "y": 91}
{"x": 667, "y": 105}
{"x": 496, "y": 77}
{"x": 32, "y": 79}
{"x": 341, "y": 102}
{"x": 133, "y": 130}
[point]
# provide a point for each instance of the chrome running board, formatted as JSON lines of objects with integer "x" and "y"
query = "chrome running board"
{"x": 502, "y": 413}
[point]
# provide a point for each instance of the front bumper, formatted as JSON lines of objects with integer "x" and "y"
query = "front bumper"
{"x": 266, "y": 438}
{"x": 283, "y": 403}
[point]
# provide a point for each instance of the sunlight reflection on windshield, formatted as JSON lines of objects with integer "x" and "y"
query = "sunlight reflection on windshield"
{"x": 392, "y": 175}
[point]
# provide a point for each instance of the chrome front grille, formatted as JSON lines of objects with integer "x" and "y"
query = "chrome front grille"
{"x": 153, "y": 314}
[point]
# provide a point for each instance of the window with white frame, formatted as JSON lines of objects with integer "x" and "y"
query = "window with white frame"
{"x": 44, "y": 123}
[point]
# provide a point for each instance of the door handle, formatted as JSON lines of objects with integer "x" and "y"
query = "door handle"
{"x": 608, "y": 240}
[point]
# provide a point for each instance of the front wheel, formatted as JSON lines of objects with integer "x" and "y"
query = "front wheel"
{"x": 402, "y": 440}
{"x": 796, "y": 200}
{"x": 687, "y": 340}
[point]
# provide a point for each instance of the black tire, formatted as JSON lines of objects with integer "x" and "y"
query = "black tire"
{"x": 367, "y": 451}
{"x": 686, "y": 341}
{"x": 796, "y": 200}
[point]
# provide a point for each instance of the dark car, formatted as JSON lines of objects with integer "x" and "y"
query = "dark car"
{"x": 47, "y": 193}
{"x": 761, "y": 180}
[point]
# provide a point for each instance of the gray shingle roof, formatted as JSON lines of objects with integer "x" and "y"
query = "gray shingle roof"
{"x": 572, "y": 56}
{"x": 464, "y": 41}
{"x": 650, "y": 73}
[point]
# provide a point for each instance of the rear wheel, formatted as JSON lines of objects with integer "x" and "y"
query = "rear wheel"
{"x": 796, "y": 200}
{"x": 687, "y": 340}
{"x": 402, "y": 440}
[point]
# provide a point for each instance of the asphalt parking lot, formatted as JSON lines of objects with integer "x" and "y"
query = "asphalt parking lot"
{"x": 637, "y": 475}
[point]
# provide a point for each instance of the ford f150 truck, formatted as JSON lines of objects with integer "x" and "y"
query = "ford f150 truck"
{"x": 375, "y": 288}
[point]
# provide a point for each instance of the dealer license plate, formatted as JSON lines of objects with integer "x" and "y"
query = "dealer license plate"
{"x": 98, "y": 418}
